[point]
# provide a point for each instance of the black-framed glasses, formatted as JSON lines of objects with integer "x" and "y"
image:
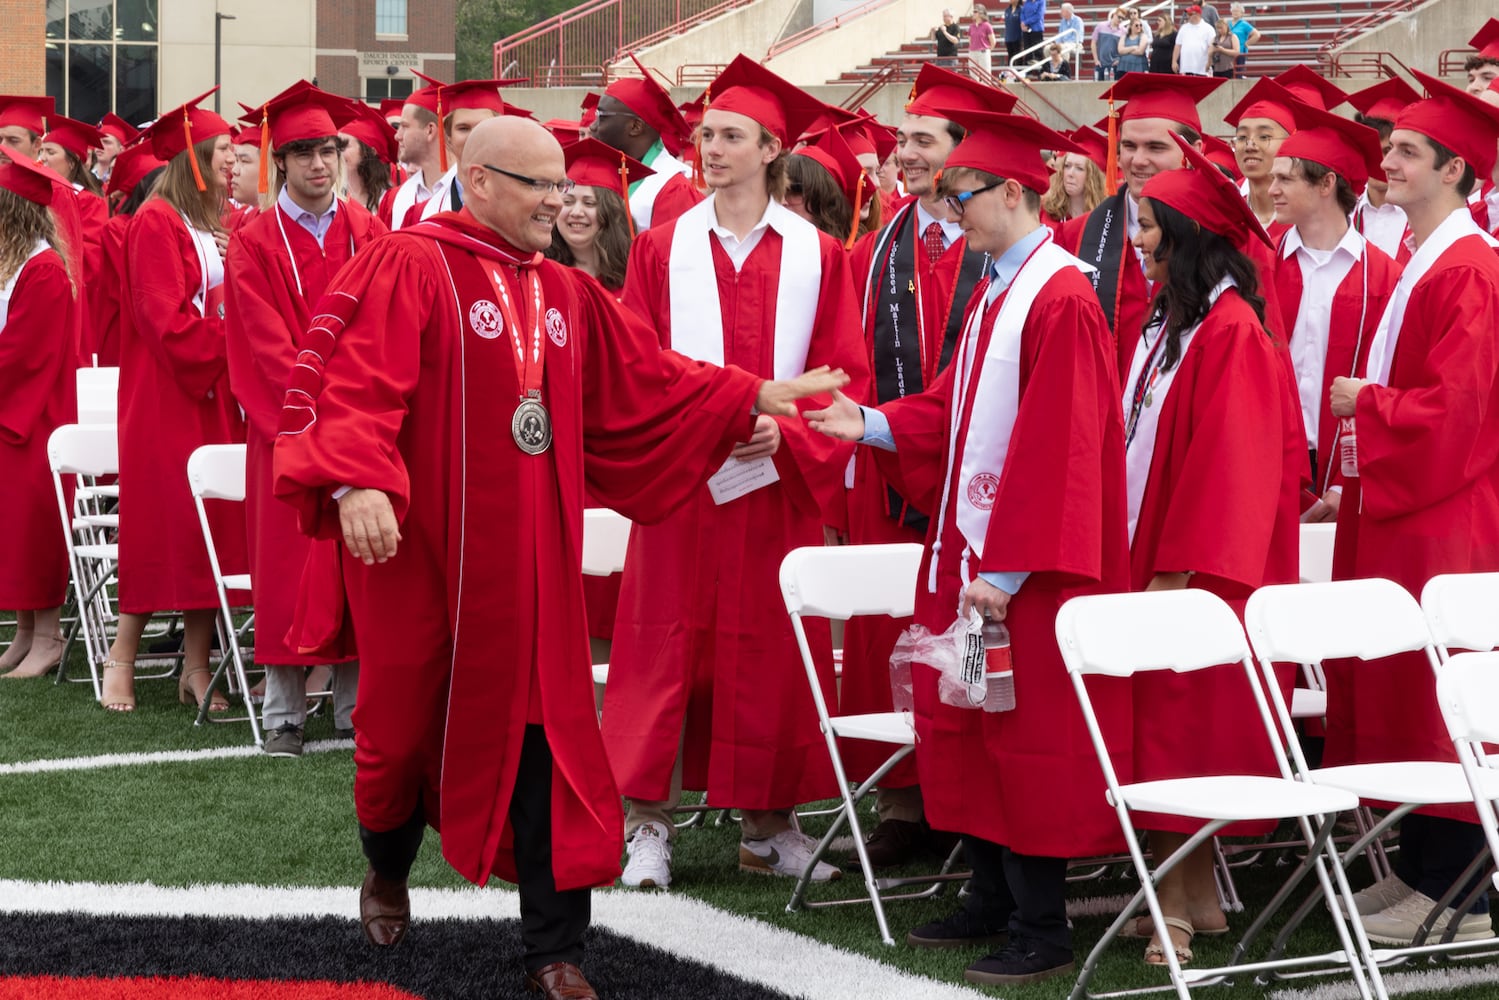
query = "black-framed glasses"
{"x": 956, "y": 203}
{"x": 540, "y": 187}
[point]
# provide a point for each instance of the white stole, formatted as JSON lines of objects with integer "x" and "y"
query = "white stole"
{"x": 986, "y": 438}
{"x": 405, "y": 197}
{"x": 9, "y": 289}
{"x": 692, "y": 285}
{"x": 1387, "y": 337}
{"x": 210, "y": 264}
{"x": 643, "y": 198}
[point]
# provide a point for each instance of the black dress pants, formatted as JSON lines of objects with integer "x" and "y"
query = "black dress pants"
{"x": 1028, "y": 891}
{"x": 1433, "y": 853}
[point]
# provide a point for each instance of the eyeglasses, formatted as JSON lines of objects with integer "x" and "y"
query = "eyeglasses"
{"x": 1260, "y": 139}
{"x": 615, "y": 114}
{"x": 540, "y": 187}
{"x": 956, "y": 203}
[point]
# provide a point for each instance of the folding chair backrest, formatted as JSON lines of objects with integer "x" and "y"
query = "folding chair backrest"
{"x": 1313, "y": 622}
{"x": 1316, "y": 552}
{"x": 1463, "y": 610}
{"x": 98, "y": 395}
{"x": 217, "y": 472}
{"x": 1121, "y": 634}
{"x": 1468, "y": 693}
{"x": 84, "y": 450}
{"x": 841, "y": 581}
{"x": 606, "y": 537}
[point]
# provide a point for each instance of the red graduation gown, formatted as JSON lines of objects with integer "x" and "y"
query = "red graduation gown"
{"x": 868, "y": 640}
{"x": 454, "y": 665}
{"x": 1029, "y": 778}
{"x": 676, "y": 196}
{"x": 38, "y": 394}
{"x": 266, "y": 315}
{"x": 1348, "y": 340}
{"x": 104, "y": 293}
{"x": 174, "y": 396}
{"x": 1426, "y": 500}
{"x": 1223, "y": 501}
{"x": 701, "y": 637}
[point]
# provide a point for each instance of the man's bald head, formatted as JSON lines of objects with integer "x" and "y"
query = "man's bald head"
{"x": 511, "y": 170}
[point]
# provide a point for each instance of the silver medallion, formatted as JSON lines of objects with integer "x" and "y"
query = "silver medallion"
{"x": 531, "y": 427}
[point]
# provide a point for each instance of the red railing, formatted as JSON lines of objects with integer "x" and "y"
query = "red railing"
{"x": 1368, "y": 22}
{"x": 1450, "y": 61}
{"x": 823, "y": 27}
{"x": 905, "y": 70}
{"x": 691, "y": 74}
{"x": 597, "y": 33}
{"x": 1380, "y": 64}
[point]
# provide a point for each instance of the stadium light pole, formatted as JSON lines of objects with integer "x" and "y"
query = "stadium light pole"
{"x": 218, "y": 53}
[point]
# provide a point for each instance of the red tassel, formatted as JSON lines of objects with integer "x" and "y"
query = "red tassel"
{"x": 624, "y": 187}
{"x": 265, "y": 150}
{"x": 192, "y": 155}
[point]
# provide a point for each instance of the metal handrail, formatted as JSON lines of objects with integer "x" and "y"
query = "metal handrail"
{"x": 784, "y": 45}
{"x": 1368, "y": 22}
{"x": 704, "y": 73}
{"x": 899, "y": 70}
{"x": 1450, "y": 61}
{"x": 1363, "y": 63}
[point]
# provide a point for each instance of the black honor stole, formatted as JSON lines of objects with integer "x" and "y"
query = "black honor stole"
{"x": 1105, "y": 239}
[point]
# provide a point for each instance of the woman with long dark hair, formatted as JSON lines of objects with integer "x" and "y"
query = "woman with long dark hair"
{"x": 594, "y": 230}
{"x": 37, "y": 395}
{"x": 174, "y": 397}
{"x": 826, "y": 184}
{"x": 370, "y": 157}
{"x": 1215, "y": 451}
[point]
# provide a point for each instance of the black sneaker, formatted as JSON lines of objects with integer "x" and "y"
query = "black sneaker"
{"x": 1021, "y": 961}
{"x": 961, "y": 930}
{"x": 284, "y": 741}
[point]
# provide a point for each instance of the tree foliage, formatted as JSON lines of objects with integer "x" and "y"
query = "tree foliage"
{"x": 481, "y": 23}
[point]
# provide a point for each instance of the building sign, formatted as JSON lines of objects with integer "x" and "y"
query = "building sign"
{"x": 375, "y": 63}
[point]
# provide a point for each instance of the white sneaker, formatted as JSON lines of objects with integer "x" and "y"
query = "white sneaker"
{"x": 1399, "y": 923}
{"x": 1380, "y": 896}
{"x": 787, "y": 853}
{"x": 649, "y": 853}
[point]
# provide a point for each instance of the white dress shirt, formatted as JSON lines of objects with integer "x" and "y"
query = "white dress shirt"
{"x": 1322, "y": 271}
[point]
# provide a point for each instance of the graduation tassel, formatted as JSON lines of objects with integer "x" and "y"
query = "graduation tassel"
{"x": 265, "y": 150}
{"x": 1111, "y": 165}
{"x": 192, "y": 154}
{"x": 624, "y": 186}
{"x": 853, "y": 227}
{"x": 442, "y": 144}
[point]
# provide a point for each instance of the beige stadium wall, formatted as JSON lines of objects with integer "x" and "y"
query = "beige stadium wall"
{"x": 269, "y": 44}
{"x": 750, "y": 30}
{"x": 1418, "y": 37}
{"x": 853, "y": 44}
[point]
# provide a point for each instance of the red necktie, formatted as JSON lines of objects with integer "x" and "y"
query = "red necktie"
{"x": 932, "y": 238}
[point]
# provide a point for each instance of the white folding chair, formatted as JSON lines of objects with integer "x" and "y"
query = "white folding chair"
{"x": 217, "y": 472}
{"x": 1462, "y": 611}
{"x": 1316, "y": 552}
{"x": 98, "y": 395}
{"x": 606, "y": 538}
{"x": 838, "y": 582}
{"x": 1468, "y": 693}
{"x": 1121, "y": 635}
{"x": 1359, "y": 621}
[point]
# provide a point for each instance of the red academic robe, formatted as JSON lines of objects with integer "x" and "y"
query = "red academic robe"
{"x": 38, "y": 394}
{"x": 1348, "y": 342}
{"x": 1425, "y": 501}
{"x": 868, "y": 640}
{"x": 454, "y": 665}
{"x": 387, "y": 201}
{"x": 1131, "y": 302}
{"x": 174, "y": 397}
{"x": 701, "y": 636}
{"x": 1222, "y": 501}
{"x": 1029, "y": 778}
{"x": 104, "y": 295}
{"x": 676, "y": 196}
{"x": 93, "y": 215}
{"x": 275, "y": 274}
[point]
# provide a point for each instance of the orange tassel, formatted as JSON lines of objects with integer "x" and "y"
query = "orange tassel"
{"x": 624, "y": 187}
{"x": 442, "y": 143}
{"x": 265, "y": 150}
{"x": 1111, "y": 166}
{"x": 698, "y": 180}
{"x": 853, "y": 227}
{"x": 192, "y": 154}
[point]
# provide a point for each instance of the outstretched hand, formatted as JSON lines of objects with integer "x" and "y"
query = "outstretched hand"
{"x": 779, "y": 398}
{"x": 843, "y": 420}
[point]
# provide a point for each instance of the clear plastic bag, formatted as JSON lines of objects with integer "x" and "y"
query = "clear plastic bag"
{"x": 956, "y": 654}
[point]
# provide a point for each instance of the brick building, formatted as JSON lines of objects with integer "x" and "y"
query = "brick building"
{"x": 135, "y": 57}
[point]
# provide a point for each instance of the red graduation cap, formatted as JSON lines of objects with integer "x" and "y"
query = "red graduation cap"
{"x": 123, "y": 131}
{"x": 299, "y": 112}
{"x": 1456, "y": 119}
{"x": 1162, "y": 95}
{"x": 1487, "y": 39}
{"x": 1201, "y": 192}
{"x": 1348, "y": 149}
{"x": 1266, "y": 99}
{"x": 29, "y": 113}
{"x": 425, "y": 97}
{"x": 1007, "y": 145}
{"x": 469, "y": 95}
{"x": 749, "y": 89}
{"x": 1094, "y": 143}
{"x": 23, "y": 176}
{"x": 74, "y": 136}
{"x": 371, "y": 128}
{"x": 1310, "y": 87}
{"x": 1221, "y": 154}
{"x": 937, "y": 88}
{"x": 589, "y": 108}
{"x": 564, "y": 130}
{"x": 597, "y": 164}
{"x": 831, "y": 150}
{"x": 392, "y": 107}
{"x": 1385, "y": 100}
{"x": 183, "y": 126}
{"x": 871, "y": 136}
{"x": 651, "y": 102}
{"x": 130, "y": 168}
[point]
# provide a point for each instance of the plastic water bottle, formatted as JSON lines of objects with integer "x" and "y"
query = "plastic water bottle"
{"x": 1348, "y": 448}
{"x": 999, "y": 672}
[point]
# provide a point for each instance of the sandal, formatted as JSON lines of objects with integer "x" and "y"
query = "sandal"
{"x": 217, "y": 704}
{"x": 1143, "y": 929}
{"x": 117, "y": 702}
{"x": 1155, "y": 953}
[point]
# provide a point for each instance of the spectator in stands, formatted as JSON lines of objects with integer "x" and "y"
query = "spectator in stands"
{"x": 1194, "y": 42}
{"x": 1106, "y": 35}
{"x": 946, "y": 35}
{"x": 1226, "y": 51}
{"x": 1032, "y": 27}
{"x": 981, "y": 40}
{"x": 1057, "y": 66}
{"x": 1070, "y": 31}
{"x": 1246, "y": 33}
{"x": 1483, "y": 67}
{"x": 1163, "y": 45}
{"x": 1134, "y": 45}
{"x": 1014, "y": 34}
{"x": 1210, "y": 15}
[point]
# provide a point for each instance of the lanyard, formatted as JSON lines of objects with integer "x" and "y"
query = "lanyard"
{"x": 528, "y": 370}
{"x": 1144, "y": 385}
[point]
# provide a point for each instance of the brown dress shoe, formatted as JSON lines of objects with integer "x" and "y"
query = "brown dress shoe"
{"x": 384, "y": 909}
{"x": 560, "y": 981}
{"x": 894, "y": 842}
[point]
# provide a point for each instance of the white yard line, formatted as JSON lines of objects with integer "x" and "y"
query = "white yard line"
{"x": 156, "y": 757}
